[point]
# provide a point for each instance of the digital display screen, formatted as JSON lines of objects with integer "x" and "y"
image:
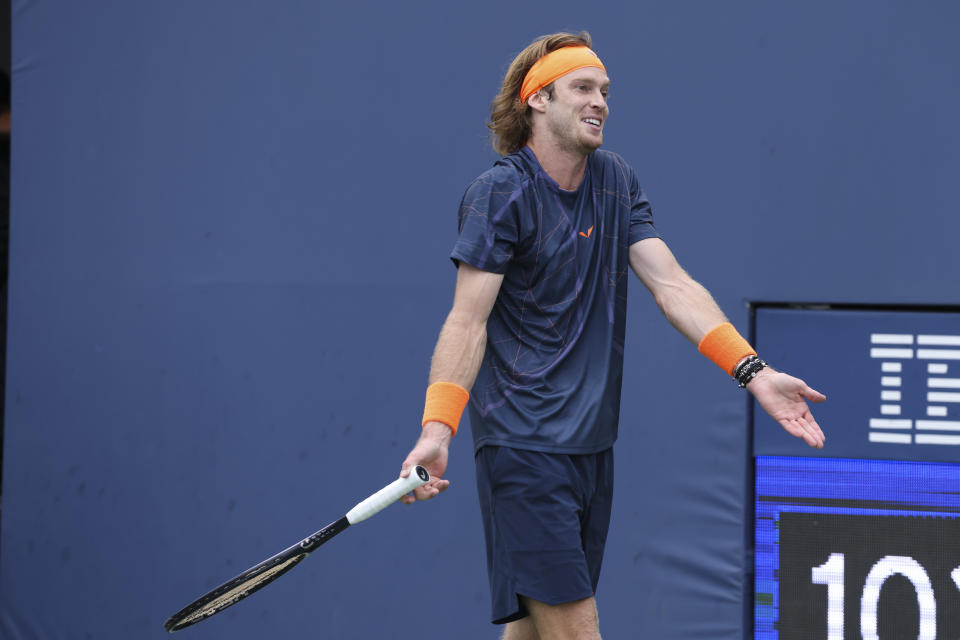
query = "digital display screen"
{"x": 851, "y": 549}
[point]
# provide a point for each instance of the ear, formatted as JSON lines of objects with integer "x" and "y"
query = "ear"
{"x": 538, "y": 102}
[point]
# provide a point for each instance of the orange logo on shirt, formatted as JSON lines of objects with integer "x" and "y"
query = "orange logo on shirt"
{"x": 587, "y": 234}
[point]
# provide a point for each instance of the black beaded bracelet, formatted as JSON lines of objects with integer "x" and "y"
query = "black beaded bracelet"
{"x": 749, "y": 370}
{"x": 743, "y": 363}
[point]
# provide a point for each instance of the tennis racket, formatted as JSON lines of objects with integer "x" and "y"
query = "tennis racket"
{"x": 259, "y": 576}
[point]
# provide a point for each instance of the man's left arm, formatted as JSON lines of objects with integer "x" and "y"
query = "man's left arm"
{"x": 693, "y": 312}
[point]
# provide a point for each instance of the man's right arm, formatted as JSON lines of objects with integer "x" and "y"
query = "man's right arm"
{"x": 456, "y": 358}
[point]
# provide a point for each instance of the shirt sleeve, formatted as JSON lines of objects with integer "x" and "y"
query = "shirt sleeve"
{"x": 641, "y": 214}
{"x": 488, "y": 225}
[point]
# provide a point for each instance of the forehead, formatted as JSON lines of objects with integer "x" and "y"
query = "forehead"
{"x": 593, "y": 75}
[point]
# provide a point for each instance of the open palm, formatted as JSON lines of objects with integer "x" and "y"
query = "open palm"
{"x": 784, "y": 398}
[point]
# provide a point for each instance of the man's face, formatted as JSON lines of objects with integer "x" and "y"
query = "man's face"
{"x": 578, "y": 110}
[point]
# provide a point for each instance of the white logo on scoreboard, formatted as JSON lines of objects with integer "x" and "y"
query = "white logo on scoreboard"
{"x": 937, "y": 357}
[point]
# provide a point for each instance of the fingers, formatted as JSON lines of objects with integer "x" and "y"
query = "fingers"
{"x": 414, "y": 458}
{"x": 430, "y": 490}
{"x": 807, "y": 428}
{"x": 817, "y": 431}
{"x": 812, "y": 394}
{"x": 405, "y": 472}
{"x": 813, "y": 434}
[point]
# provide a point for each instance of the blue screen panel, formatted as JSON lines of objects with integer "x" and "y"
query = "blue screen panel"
{"x": 850, "y": 548}
{"x": 891, "y": 377}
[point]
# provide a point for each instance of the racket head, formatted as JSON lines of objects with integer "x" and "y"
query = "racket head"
{"x": 251, "y": 580}
{"x": 232, "y": 592}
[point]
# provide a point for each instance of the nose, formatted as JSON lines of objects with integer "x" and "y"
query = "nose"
{"x": 598, "y": 100}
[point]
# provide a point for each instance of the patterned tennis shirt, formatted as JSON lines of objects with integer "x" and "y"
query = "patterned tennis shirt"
{"x": 551, "y": 373}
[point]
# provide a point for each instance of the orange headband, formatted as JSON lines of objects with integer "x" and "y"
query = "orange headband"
{"x": 556, "y": 64}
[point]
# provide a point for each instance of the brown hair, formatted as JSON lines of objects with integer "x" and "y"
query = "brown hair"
{"x": 510, "y": 117}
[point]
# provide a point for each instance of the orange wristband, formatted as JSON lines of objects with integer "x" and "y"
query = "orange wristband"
{"x": 445, "y": 403}
{"x": 725, "y": 347}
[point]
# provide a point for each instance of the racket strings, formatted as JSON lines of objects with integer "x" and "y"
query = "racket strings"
{"x": 238, "y": 592}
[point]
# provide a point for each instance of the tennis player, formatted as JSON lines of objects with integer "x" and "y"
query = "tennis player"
{"x": 547, "y": 237}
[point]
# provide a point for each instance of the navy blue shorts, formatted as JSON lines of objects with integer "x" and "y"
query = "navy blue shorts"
{"x": 545, "y": 519}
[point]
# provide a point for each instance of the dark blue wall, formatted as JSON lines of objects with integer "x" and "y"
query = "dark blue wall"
{"x": 230, "y": 222}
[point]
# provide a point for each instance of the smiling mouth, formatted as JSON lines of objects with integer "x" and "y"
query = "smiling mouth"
{"x": 594, "y": 121}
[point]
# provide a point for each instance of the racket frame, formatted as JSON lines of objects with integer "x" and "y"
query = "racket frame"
{"x": 208, "y": 605}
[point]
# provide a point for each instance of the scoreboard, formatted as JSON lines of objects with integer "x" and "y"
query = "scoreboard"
{"x": 856, "y": 549}
{"x": 861, "y": 539}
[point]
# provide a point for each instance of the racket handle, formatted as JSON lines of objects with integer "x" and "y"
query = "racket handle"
{"x": 388, "y": 495}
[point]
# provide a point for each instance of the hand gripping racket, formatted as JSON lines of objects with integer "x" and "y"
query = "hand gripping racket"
{"x": 261, "y": 575}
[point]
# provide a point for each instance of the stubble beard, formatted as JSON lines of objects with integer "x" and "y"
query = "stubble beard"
{"x": 571, "y": 139}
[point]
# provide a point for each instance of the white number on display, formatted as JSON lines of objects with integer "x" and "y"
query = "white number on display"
{"x": 831, "y": 573}
{"x": 909, "y": 568}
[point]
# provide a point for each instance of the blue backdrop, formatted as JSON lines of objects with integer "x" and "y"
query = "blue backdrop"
{"x": 230, "y": 227}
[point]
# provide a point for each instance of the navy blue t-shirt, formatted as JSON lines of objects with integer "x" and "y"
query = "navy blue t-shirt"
{"x": 553, "y": 365}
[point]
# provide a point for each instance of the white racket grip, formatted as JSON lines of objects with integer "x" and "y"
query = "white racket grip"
{"x": 388, "y": 495}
